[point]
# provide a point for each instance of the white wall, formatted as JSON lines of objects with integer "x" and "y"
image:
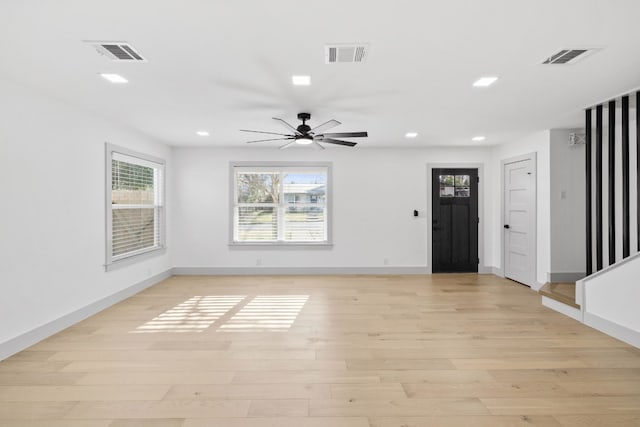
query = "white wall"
{"x": 567, "y": 202}
{"x": 535, "y": 143}
{"x": 609, "y": 300}
{"x": 375, "y": 193}
{"x": 52, "y": 219}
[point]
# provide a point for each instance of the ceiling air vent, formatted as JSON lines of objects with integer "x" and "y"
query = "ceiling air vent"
{"x": 118, "y": 51}
{"x": 568, "y": 56}
{"x": 345, "y": 53}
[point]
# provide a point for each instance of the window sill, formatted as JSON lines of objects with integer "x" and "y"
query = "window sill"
{"x": 123, "y": 262}
{"x": 280, "y": 245}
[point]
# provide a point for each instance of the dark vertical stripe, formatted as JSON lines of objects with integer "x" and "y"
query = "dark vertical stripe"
{"x": 587, "y": 127}
{"x": 599, "y": 188}
{"x": 625, "y": 177}
{"x": 611, "y": 127}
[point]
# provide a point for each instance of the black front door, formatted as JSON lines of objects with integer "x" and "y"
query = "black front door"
{"x": 455, "y": 220}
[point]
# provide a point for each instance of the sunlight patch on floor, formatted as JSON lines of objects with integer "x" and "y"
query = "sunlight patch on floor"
{"x": 267, "y": 313}
{"x": 193, "y": 315}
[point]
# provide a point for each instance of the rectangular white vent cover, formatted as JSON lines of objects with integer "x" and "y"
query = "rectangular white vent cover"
{"x": 345, "y": 53}
{"x": 118, "y": 51}
{"x": 568, "y": 56}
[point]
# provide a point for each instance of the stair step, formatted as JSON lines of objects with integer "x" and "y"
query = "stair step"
{"x": 561, "y": 292}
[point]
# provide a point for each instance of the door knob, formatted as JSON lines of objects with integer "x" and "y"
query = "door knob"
{"x": 506, "y": 226}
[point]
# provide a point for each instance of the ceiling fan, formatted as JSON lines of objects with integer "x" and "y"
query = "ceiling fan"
{"x": 304, "y": 134}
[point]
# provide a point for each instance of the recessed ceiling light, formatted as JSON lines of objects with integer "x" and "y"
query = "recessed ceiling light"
{"x": 485, "y": 81}
{"x": 202, "y": 133}
{"x": 114, "y": 78}
{"x": 301, "y": 80}
{"x": 478, "y": 138}
{"x": 411, "y": 134}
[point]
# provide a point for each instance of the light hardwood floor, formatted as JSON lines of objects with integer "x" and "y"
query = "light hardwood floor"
{"x": 339, "y": 351}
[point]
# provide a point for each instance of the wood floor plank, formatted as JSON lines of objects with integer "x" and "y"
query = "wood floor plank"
{"x": 250, "y": 391}
{"x": 60, "y": 393}
{"x": 602, "y": 388}
{"x": 55, "y": 423}
{"x": 31, "y": 411}
{"x": 198, "y": 408}
{"x": 203, "y": 365}
{"x": 367, "y": 391}
{"x": 168, "y": 422}
{"x": 599, "y": 420}
{"x": 279, "y": 422}
{"x": 305, "y": 377}
{"x": 36, "y": 378}
{"x": 426, "y": 391}
{"x": 385, "y": 351}
{"x": 396, "y": 407}
{"x": 565, "y": 375}
{"x": 563, "y": 405}
{"x": 466, "y": 421}
{"x": 169, "y": 378}
{"x": 279, "y": 408}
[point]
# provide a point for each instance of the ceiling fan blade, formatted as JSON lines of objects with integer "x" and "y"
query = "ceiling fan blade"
{"x": 287, "y": 125}
{"x": 327, "y": 125}
{"x": 268, "y": 133}
{"x": 288, "y": 144}
{"x": 338, "y": 142}
{"x": 274, "y": 139}
{"x": 345, "y": 135}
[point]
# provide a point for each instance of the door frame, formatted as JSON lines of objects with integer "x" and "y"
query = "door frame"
{"x": 533, "y": 156}
{"x": 482, "y": 268}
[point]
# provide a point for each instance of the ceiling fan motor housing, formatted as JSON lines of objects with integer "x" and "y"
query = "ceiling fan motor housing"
{"x": 304, "y": 128}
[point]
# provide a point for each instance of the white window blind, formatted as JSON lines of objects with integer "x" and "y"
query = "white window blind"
{"x": 281, "y": 204}
{"x": 135, "y": 205}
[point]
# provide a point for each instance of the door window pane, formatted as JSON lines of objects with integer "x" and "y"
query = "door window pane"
{"x": 462, "y": 186}
{"x": 446, "y": 186}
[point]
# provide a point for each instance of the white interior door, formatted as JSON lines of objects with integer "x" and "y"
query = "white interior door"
{"x": 520, "y": 221}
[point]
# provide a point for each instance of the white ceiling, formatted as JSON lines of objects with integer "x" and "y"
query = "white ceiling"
{"x": 226, "y": 65}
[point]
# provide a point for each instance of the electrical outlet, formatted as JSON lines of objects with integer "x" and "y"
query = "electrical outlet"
{"x": 258, "y": 261}
{"x": 385, "y": 261}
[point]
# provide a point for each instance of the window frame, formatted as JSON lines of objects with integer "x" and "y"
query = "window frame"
{"x": 280, "y": 167}
{"x": 113, "y": 262}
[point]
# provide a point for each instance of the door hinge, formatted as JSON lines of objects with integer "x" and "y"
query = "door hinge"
{"x": 477, "y": 179}
{"x": 477, "y": 260}
{"x": 478, "y": 220}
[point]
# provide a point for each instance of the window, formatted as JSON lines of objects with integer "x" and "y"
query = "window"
{"x": 135, "y": 204}
{"x": 454, "y": 186}
{"x": 281, "y": 204}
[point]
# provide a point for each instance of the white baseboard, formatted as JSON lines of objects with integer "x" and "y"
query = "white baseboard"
{"x": 288, "y": 271}
{"x": 21, "y": 342}
{"x": 497, "y": 271}
{"x": 565, "y": 309}
{"x": 615, "y": 330}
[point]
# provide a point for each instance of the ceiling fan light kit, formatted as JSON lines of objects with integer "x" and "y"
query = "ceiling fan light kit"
{"x": 305, "y": 135}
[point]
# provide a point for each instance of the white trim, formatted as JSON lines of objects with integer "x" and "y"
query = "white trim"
{"x": 277, "y": 271}
{"x": 611, "y": 267}
{"x": 497, "y": 271}
{"x": 142, "y": 255}
{"x": 29, "y": 338}
{"x": 461, "y": 165}
{"x": 534, "y": 284}
{"x": 613, "y": 329}
{"x": 565, "y": 309}
{"x": 269, "y": 165}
